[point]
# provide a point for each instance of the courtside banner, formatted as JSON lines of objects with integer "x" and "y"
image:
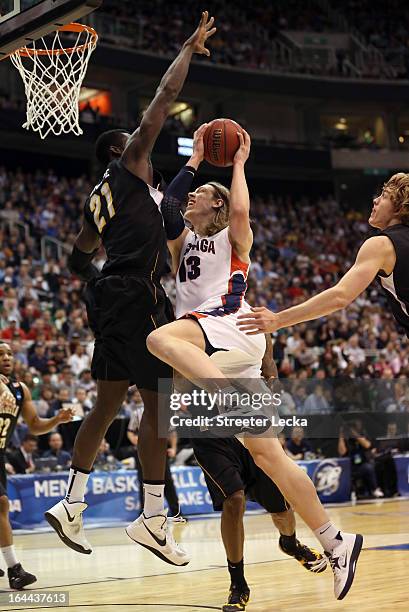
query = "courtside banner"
{"x": 114, "y": 496}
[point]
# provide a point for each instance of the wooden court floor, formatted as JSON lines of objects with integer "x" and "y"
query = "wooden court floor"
{"x": 121, "y": 577}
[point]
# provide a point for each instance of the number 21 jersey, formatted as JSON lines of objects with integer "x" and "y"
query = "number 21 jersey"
{"x": 125, "y": 212}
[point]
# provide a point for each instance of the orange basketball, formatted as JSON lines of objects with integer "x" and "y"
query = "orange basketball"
{"x": 221, "y": 142}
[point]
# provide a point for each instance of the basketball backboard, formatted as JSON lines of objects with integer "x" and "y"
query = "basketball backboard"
{"x": 22, "y": 21}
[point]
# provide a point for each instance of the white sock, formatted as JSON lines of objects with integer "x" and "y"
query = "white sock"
{"x": 9, "y": 555}
{"x": 329, "y": 536}
{"x": 77, "y": 484}
{"x": 154, "y": 495}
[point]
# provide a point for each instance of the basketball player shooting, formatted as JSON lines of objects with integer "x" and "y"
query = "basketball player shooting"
{"x": 15, "y": 401}
{"x": 210, "y": 297}
{"x": 384, "y": 256}
{"x": 124, "y": 305}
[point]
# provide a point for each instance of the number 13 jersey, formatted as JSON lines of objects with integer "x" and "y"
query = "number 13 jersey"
{"x": 211, "y": 279}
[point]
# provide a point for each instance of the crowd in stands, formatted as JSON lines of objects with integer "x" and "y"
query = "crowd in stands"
{"x": 247, "y": 32}
{"x": 300, "y": 248}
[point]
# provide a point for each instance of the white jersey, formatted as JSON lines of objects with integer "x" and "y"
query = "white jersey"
{"x": 210, "y": 277}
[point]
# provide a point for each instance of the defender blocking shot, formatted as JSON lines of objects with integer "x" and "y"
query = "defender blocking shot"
{"x": 124, "y": 304}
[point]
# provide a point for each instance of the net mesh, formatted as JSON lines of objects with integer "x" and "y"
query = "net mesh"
{"x": 52, "y": 78}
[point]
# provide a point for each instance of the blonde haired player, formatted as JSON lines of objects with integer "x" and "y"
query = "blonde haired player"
{"x": 384, "y": 256}
{"x": 220, "y": 244}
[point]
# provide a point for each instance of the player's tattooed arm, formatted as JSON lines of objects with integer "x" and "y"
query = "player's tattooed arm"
{"x": 37, "y": 425}
{"x": 141, "y": 142}
{"x": 240, "y": 234}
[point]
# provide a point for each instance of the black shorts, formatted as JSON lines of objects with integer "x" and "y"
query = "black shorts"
{"x": 3, "y": 476}
{"x": 228, "y": 467}
{"x": 122, "y": 311}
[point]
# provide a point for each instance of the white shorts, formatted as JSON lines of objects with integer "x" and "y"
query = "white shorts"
{"x": 239, "y": 355}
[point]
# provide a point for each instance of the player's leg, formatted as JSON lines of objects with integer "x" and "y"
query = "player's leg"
{"x": 309, "y": 558}
{"x": 172, "y": 496}
{"x": 182, "y": 345}
{"x": 66, "y": 516}
{"x": 222, "y": 466}
{"x": 263, "y": 490}
{"x": 341, "y": 548}
{"x": 110, "y": 395}
{"x": 232, "y": 530}
{"x": 152, "y": 452}
{"x": 150, "y": 529}
{"x": 18, "y": 577}
{"x": 138, "y": 468}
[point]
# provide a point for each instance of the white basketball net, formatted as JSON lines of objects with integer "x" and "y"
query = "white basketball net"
{"x": 52, "y": 79}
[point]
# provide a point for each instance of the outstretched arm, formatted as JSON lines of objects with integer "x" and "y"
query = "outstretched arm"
{"x": 37, "y": 425}
{"x": 141, "y": 142}
{"x": 374, "y": 255}
{"x": 240, "y": 234}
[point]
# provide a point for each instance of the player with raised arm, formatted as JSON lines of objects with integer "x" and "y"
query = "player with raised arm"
{"x": 205, "y": 344}
{"x": 124, "y": 304}
{"x": 15, "y": 401}
{"x": 384, "y": 256}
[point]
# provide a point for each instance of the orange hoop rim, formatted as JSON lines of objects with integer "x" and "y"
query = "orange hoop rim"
{"x": 69, "y": 27}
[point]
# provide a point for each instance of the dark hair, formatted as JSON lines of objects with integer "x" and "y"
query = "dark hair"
{"x": 29, "y": 438}
{"x": 104, "y": 142}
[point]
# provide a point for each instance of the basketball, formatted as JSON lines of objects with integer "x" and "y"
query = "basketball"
{"x": 221, "y": 142}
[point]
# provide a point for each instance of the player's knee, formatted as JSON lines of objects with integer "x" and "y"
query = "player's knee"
{"x": 4, "y": 505}
{"x": 156, "y": 342}
{"x": 262, "y": 458}
{"x": 235, "y": 504}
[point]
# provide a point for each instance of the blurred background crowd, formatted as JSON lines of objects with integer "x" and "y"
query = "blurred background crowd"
{"x": 300, "y": 248}
{"x": 374, "y": 40}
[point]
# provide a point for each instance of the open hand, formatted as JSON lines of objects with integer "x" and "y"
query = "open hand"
{"x": 243, "y": 151}
{"x": 204, "y": 31}
{"x": 259, "y": 321}
{"x": 198, "y": 145}
{"x": 65, "y": 415}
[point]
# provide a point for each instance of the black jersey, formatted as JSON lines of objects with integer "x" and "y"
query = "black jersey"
{"x": 125, "y": 212}
{"x": 10, "y": 407}
{"x": 396, "y": 285}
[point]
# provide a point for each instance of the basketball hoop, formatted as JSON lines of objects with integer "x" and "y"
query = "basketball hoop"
{"x": 52, "y": 79}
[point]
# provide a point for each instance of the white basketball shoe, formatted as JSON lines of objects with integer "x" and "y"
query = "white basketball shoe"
{"x": 153, "y": 533}
{"x": 343, "y": 560}
{"x": 66, "y": 520}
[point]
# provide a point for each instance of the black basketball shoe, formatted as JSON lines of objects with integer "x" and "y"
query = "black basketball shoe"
{"x": 311, "y": 559}
{"x": 19, "y": 578}
{"x": 238, "y": 599}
